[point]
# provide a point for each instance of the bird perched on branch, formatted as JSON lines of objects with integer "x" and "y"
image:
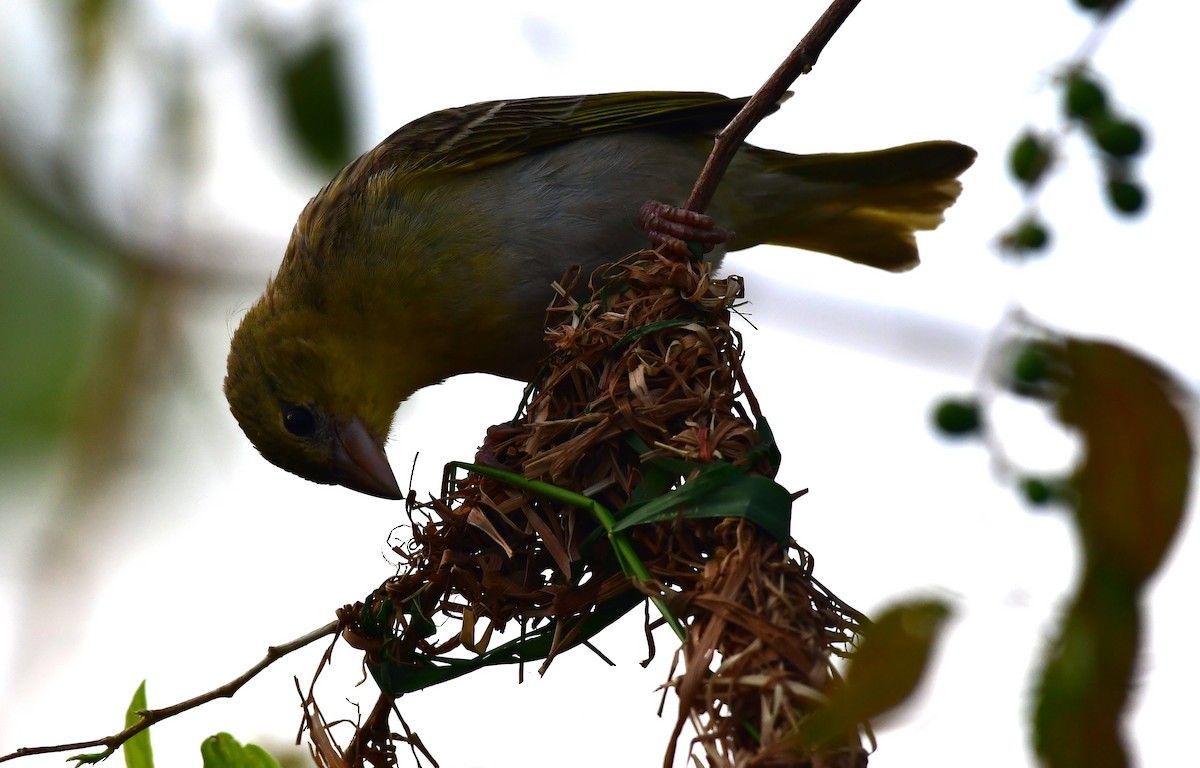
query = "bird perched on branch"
{"x": 432, "y": 254}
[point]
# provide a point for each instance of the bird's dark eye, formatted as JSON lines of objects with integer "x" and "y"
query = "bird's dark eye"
{"x": 299, "y": 421}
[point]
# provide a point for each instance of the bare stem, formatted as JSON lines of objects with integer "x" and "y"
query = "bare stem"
{"x": 151, "y": 716}
{"x": 802, "y": 59}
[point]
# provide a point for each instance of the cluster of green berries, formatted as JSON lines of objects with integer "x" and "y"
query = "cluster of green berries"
{"x": 1119, "y": 139}
{"x": 1032, "y": 370}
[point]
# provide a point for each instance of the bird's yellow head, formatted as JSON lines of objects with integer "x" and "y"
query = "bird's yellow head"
{"x": 300, "y": 394}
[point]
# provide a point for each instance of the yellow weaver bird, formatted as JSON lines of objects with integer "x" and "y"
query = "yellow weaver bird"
{"x": 432, "y": 254}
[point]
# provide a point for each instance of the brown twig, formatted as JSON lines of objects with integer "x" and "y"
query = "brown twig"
{"x": 802, "y": 59}
{"x": 150, "y": 717}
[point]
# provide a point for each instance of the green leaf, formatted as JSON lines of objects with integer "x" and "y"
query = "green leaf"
{"x": 224, "y": 751}
{"x": 653, "y": 500}
{"x": 657, "y": 479}
{"x": 57, "y": 310}
{"x": 1089, "y": 672}
{"x": 137, "y": 751}
{"x": 719, "y": 490}
{"x": 665, "y": 506}
{"x": 766, "y": 447}
{"x": 884, "y": 671}
{"x": 1133, "y": 483}
{"x": 317, "y": 105}
{"x": 1129, "y": 496}
{"x": 92, "y": 29}
{"x": 397, "y": 679}
{"x": 649, "y": 328}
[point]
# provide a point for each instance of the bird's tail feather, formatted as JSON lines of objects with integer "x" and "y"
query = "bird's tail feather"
{"x": 864, "y": 206}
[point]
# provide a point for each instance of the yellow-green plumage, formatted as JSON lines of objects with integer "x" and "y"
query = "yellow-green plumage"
{"x": 432, "y": 254}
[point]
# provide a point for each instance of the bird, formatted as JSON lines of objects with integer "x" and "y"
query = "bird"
{"x": 433, "y": 254}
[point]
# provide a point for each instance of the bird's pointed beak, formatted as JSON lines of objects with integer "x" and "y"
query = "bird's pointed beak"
{"x": 361, "y": 463}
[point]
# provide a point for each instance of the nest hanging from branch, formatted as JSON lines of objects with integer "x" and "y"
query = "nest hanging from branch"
{"x": 642, "y": 397}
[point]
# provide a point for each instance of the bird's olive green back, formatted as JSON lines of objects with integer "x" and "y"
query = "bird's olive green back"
{"x": 479, "y": 135}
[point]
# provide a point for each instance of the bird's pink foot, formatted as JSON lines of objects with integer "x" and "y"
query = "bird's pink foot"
{"x": 497, "y": 436}
{"x": 674, "y": 228}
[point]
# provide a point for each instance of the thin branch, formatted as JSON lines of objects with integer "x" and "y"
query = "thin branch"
{"x": 802, "y": 59}
{"x": 151, "y": 716}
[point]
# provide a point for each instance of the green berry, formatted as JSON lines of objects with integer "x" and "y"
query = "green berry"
{"x": 1119, "y": 138}
{"x": 1084, "y": 99}
{"x": 1031, "y": 365}
{"x": 957, "y": 417}
{"x": 1126, "y": 196}
{"x": 1029, "y": 159}
{"x": 1026, "y": 237}
{"x": 1103, "y": 6}
{"x": 1036, "y": 491}
{"x": 1031, "y": 236}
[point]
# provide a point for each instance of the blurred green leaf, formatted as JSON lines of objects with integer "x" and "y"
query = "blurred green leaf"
{"x": 91, "y": 31}
{"x": 224, "y": 751}
{"x": 1088, "y": 674}
{"x": 137, "y": 751}
{"x": 1129, "y": 498}
{"x": 1133, "y": 482}
{"x": 885, "y": 670}
{"x": 55, "y": 308}
{"x": 316, "y": 100}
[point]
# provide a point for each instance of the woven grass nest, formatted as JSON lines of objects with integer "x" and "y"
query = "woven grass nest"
{"x": 642, "y": 398}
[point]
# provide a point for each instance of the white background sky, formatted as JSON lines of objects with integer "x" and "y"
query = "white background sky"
{"x": 218, "y": 554}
